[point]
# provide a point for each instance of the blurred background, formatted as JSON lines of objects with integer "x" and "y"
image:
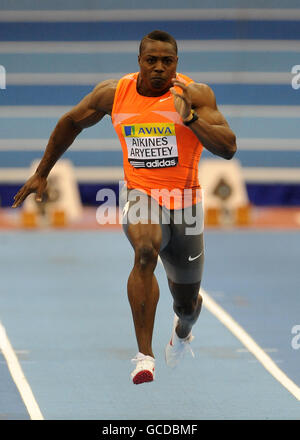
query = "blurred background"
{"x": 54, "y": 52}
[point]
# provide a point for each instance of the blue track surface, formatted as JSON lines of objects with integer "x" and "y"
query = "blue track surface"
{"x": 62, "y": 302}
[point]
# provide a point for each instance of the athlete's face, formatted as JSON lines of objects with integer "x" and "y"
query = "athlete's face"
{"x": 158, "y": 63}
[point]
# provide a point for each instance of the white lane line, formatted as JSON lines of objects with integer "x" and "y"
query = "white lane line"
{"x": 149, "y": 14}
{"x": 86, "y": 79}
{"x": 112, "y": 144}
{"x": 108, "y": 144}
{"x": 18, "y": 376}
{"x": 235, "y": 111}
{"x": 131, "y": 46}
{"x": 71, "y": 78}
{"x": 250, "y": 344}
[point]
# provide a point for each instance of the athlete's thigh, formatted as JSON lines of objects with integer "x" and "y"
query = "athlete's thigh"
{"x": 183, "y": 257}
{"x": 142, "y": 219}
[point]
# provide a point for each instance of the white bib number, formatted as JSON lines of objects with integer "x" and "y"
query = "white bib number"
{"x": 151, "y": 145}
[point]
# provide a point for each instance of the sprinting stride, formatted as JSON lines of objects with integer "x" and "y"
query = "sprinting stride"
{"x": 163, "y": 120}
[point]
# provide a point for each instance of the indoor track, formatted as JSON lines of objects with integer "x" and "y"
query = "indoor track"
{"x": 65, "y": 311}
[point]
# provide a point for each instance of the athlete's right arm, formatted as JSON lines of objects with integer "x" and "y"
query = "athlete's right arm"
{"x": 88, "y": 112}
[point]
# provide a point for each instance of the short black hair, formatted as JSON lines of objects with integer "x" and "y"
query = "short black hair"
{"x": 158, "y": 35}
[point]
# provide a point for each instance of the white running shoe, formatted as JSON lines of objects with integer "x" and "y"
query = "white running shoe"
{"x": 144, "y": 370}
{"x": 177, "y": 347}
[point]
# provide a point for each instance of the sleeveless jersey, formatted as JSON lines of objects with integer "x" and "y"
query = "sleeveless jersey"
{"x": 160, "y": 153}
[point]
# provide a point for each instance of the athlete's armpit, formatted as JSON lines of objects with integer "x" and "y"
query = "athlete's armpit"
{"x": 103, "y": 95}
{"x": 94, "y": 106}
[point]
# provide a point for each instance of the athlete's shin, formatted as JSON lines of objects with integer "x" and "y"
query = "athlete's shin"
{"x": 143, "y": 295}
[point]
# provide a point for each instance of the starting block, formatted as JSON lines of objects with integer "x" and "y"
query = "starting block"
{"x": 58, "y": 218}
{"x": 239, "y": 216}
{"x": 243, "y": 215}
{"x": 29, "y": 219}
{"x": 212, "y": 216}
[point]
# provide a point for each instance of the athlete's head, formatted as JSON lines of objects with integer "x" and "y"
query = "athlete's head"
{"x": 158, "y": 36}
{"x": 158, "y": 62}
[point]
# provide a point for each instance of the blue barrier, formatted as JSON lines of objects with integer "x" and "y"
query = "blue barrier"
{"x": 226, "y": 94}
{"x": 135, "y": 30}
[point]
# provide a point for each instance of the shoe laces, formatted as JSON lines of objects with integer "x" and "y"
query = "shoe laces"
{"x": 184, "y": 344}
{"x": 140, "y": 357}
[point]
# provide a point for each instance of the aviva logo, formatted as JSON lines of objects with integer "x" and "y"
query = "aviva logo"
{"x": 149, "y": 130}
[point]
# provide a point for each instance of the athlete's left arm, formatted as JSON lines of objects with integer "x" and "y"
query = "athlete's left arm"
{"x": 211, "y": 127}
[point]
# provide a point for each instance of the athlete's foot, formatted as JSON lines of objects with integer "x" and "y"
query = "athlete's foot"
{"x": 177, "y": 347}
{"x": 144, "y": 370}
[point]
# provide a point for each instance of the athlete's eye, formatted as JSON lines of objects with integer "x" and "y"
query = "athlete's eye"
{"x": 168, "y": 61}
{"x": 150, "y": 60}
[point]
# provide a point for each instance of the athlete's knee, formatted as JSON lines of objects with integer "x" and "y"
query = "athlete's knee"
{"x": 188, "y": 310}
{"x": 146, "y": 256}
{"x": 185, "y": 312}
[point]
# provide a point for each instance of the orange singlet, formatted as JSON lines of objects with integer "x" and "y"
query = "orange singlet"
{"x": 159, "y": 151}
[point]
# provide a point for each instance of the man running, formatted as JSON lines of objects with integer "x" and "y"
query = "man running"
{"x": 163, "y": 120}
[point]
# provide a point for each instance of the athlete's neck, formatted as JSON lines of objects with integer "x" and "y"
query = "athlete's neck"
{"x": 143, "y": 90}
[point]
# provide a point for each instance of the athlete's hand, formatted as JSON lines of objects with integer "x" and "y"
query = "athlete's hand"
{"x": 182, "y": 101}
{"x": 35, "y": 184}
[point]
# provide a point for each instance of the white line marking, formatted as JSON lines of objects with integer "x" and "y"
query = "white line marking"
{"x": 88, "y": 79}
{"x": 71, "y": 78}
{"x": 232, "y": 77}
{"x": 112, "y": 144}
{"x": 242, "y": 111}
{"x": 258, "y": 111}
{"x": 131, "y": 46}
{"x": 250, "y": 344}
{"x": 273, "y": 175}
{"x": 263, "y": 144}
{"x": 149, "y": 14}
{"x": 18, "y": 376}
{"x": 78, "y": 145}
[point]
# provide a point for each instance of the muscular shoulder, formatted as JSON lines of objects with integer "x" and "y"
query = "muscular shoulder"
{"x": 202, "y": 95}
{"x": 102, "y": 97}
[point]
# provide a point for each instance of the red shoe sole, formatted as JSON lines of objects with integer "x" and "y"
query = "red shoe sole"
{"x": 143, "y": 376}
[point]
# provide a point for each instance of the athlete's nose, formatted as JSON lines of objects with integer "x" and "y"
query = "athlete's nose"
{"x": 159, "y": 67}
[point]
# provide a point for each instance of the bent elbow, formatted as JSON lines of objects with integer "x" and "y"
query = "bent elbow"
{"x": 231, "y": 150}
{"x": 229, "y": 155}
